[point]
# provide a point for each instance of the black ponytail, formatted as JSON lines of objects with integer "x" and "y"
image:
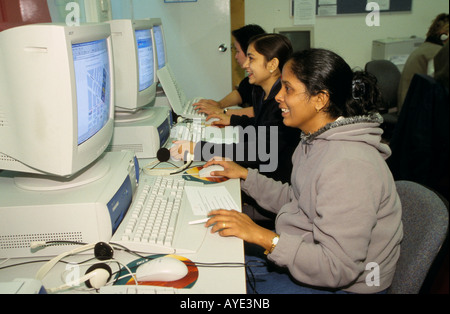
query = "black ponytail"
{"x": 365, "y": 95}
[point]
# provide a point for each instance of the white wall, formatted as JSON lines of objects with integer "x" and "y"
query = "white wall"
{"x": 193, "y": 31}
{"x": 348, "y": 35}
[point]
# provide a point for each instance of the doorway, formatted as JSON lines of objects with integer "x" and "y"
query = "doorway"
{"x": 237, "y": 12}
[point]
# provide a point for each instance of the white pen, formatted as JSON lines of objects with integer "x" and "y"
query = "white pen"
{"x": 201, "y": 221}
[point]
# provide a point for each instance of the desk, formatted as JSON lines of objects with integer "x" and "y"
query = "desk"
{"x": 211, "y": 280}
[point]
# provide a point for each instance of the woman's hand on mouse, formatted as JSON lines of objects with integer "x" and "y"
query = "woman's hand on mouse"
{"x": 231, "y": 169}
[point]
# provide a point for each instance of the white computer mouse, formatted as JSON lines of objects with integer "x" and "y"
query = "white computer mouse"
{"x": 206, "y": 172}
{"x": 162, "y": 269}
{"x": 211, "y": 121}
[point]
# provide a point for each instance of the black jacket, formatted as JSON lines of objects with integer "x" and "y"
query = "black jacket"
{"x": 420, "y": 144}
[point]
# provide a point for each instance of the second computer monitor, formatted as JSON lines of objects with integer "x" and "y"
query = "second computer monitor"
{"x": 301, "y": 37}
{"x": 160, "y": 42}
{"x": 135, "y": 64}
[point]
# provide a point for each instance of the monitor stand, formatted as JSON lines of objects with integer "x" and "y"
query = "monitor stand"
{"x": 143, "y": 132}
{"x": 130, "y": 117}
{"x": 42, "y": 183}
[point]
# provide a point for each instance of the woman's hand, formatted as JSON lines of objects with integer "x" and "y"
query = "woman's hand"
{"x": 220, "y": 119}
{"x": 231, "y": 169}
{"x": 229, "y": 223}
{"x": 181, "y": 149}
{"x": 208, "y": 107}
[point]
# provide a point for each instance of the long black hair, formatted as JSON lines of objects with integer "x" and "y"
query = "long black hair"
{"x": 351, "y": 93}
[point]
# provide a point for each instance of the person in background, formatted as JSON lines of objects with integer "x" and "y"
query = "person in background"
{"x": 242, "y": 96}
{"x": 421, "y": 59}
{"x": 340, "y": 218}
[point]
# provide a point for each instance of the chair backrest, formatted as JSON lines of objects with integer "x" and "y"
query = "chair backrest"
{"x": 425, "y": 227}
{"x": 388, "y": 77}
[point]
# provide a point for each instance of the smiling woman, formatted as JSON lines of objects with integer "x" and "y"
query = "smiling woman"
{"x": 242, "y": 95}
{"x": 314, "y": 95}
{"x": 341, "y": 214}
{"x": 266, "y": 56}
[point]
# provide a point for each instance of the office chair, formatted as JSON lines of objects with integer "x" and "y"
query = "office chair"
{"x": 425, "y": 227}
{"x": 388, "y": 77}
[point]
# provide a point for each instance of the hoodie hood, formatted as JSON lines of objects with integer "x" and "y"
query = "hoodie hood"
{"x": 364, "y": 129}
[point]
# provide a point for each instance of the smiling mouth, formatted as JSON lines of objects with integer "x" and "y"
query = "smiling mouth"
{"x": 285, "y": 110}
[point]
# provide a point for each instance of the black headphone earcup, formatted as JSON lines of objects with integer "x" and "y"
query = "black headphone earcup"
{"x": 163, "y": 154}
{"x": 103, "y": 251}
{"x": 100, "y": 279}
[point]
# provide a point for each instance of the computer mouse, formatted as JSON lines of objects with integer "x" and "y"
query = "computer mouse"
{"x": 162, "y": 269}
{"x": 211, "y": 121}
{"x": 206, "y": 172}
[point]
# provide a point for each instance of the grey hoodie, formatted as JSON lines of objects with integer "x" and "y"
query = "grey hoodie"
{"x": 340, "y": 220}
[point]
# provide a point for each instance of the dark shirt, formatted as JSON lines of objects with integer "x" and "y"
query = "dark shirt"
{"x": 245, "y": 89}
{"x": 247, "y": 151}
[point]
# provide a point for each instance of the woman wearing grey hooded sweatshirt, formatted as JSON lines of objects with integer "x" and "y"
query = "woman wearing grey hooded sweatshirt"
{"x": 338, "y": 225}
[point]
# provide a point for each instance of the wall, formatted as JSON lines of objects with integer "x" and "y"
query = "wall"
{"x": 193, "y": 31}
{"x": 348, "y": 35}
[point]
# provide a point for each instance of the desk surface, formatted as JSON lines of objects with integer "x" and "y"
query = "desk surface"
{"x": 211, "y": 280}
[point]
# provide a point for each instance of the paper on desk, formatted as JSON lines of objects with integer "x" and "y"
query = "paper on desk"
{"x": 203, "y": 199}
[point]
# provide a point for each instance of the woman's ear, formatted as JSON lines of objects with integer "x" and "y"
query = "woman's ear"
{"x": 273, "y": 65}
{"x": 321, "y": 101}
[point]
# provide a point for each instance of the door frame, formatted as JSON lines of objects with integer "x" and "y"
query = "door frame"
{"x": 237, "y": 12}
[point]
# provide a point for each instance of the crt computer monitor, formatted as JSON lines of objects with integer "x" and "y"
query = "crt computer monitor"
{"x": 134, "y": 64}
{"x": 301, "y": 37}
{"x": 160, "y": 42}
{"x": 56, "y": 97}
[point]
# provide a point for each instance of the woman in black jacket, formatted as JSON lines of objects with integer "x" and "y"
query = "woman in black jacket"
{"x": 265, "y": 143}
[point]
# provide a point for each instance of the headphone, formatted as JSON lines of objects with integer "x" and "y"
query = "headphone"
{"x": 444, "y": 37}
{"x": 95, "y": 277}
{"x": 163, "y": 155}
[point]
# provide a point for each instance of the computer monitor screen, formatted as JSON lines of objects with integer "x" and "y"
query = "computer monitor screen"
{"x": 91, "y": 64}
{"x": 301, "y": 37}
{"x": 134, "y": 65}
{"x": 145, "y": 59}
{"x": 160, "y": 45}
{"x": 56, "y": 97}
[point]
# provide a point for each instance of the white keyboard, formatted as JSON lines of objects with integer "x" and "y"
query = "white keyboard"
{"x": 176, "y": 95}
{"x": 196, "y": 131}
{"x": 192, "y": 131}
{"x": 189, "y": 110}
{"x": 158, "y": 219}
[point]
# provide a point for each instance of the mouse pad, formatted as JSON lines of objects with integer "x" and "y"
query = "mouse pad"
{"x": 192, "y": 175}
{"x": 124, "y": 278}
